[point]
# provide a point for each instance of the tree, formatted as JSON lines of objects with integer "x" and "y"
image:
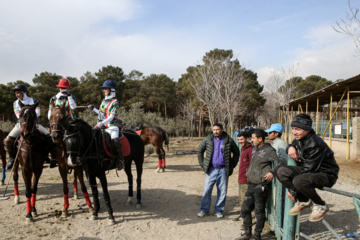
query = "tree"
{"x": 310, "y": 84}
{"x": 350, "y": 26}
{"x": 219, "y": 83}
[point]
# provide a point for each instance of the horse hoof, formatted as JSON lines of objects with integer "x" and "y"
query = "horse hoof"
{"x": 157, "y": 170}
{"x": 16, "y": 200}
{"x": 1, "y": 183}
{"x": 138, "y": 206}
{"x": 76, "y": 197}
{"x": 34, "y": 214}
{"x": 111, "y": 222}
{"x": 93, "y": 218}
{"x": 65, "y": 214}
{"x": 91, "y": 209}
{"x": 29, "y": 220}
{"x": 129, "y": 201}
{"x": 161, "y": 170}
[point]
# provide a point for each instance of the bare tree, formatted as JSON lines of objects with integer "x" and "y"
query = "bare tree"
{"x": 218, "y": 84}
{"x": 350, "y": 26}
{"x": 281, "y": 88}
{"x": 188, "y": 113}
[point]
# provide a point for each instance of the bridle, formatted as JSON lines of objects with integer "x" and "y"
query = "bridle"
{"x": 26, "y": 114}
{"x": 62, "y": 125}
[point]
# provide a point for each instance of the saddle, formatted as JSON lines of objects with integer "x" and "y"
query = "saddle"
{"x": 105, "y": 142}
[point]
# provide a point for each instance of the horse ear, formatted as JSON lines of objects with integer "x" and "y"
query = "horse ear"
{"x": 21, "y": 104}
{"x": 52, "y": 103}
{"x": 36, "y": 103}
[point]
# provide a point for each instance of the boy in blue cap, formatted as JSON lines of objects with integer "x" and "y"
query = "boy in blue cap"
{"x": 274, "y": 134}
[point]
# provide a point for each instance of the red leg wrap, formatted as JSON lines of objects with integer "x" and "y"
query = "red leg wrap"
{"x": 163, "y": 163}
{"x": 28, "y": 205}
{"x": 33, "y": 199}
{"x": 159, "y": 163}
{"x": 86, "y": 196}
{"x": 75, "y": 185}
{"x": 66, "y": 201}
{"x": 16, "y": 188}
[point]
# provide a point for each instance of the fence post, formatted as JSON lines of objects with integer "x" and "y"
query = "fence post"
{"x": 289, "y": 229}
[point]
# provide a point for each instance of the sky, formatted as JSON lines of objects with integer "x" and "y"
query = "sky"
{"x": 70, "y": 38}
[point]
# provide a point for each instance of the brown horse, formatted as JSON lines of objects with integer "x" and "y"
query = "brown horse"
{"x": 156, "y": 136}
{"x": 32, "y": 155}
{"x": 3, "y": 156}
{"x": 58, "y": 125}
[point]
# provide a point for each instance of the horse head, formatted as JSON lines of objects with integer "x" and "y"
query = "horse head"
{"x": 58, "y": 122}
{"x": 78, "y": 138}
{"x": 28, "y": 119}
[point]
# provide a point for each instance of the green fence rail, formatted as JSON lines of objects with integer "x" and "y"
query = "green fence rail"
{"x": 288, "y": 227}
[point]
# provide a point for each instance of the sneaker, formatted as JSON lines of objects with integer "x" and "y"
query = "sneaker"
{"x": 219, "y": 215}
{"x": 298, "y": 207}
{"x": 257, "y": 236}
{"x": 318, "y": 212}
{"x": 201, "y": 214}
{"x": 245, "y": 237}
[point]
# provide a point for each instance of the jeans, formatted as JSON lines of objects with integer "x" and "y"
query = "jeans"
{"x": 218, "y": 176}
{"x": 255, "y": 198}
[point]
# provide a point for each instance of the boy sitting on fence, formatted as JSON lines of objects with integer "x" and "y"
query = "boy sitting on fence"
{"x": 317, "y": 169}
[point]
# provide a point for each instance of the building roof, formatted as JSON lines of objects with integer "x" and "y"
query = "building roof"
{"x": 337, "y": 89}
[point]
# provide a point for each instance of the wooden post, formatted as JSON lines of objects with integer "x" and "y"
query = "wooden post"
{"x": 317, "y": 115}
{"x": 331, "y": 98}
{"x": 347, "y": 123}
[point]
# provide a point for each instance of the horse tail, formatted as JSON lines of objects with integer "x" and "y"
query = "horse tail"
{"x": 166, "y": 137}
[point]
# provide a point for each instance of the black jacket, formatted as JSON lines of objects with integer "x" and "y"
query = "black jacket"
{"x": 261, "y": 163}
{"x": 208, "y": 145}
{"x": 315, "y": 155}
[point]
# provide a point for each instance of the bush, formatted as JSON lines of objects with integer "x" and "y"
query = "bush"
{"x": 7, "y": 126}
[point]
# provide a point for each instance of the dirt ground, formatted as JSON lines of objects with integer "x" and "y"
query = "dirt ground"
{"x": 170, "y": 203}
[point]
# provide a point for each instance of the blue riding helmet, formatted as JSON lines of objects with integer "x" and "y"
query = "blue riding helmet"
{"x": 109, "y": 84}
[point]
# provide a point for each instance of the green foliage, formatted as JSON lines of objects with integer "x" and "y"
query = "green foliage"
{"x": 88, "y": 116}
{"x": 6, "y": 126}
{"x": 112, "y": 73}
{"x": 311, "y": 84}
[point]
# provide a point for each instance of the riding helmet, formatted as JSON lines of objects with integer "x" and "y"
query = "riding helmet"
{"x": 63, "y": 83}
{"x": 109, "y": 84}
{"x": 21, "y": 88}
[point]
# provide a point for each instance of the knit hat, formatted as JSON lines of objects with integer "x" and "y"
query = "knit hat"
{"x": 302, "y": 121}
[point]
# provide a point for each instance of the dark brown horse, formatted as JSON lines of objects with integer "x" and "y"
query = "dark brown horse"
{"x": 83, "y": 148}
{"x": 3, "y": 156}
{"x": 32, "y": 155}
{"x": 157, "y": 137}
{"x": 58, "y": 125}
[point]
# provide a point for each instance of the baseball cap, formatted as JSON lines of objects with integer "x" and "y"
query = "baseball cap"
{"x": 276, "y": 127}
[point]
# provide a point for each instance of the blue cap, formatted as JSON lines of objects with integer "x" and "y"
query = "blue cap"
{"x": 276, "y": 127}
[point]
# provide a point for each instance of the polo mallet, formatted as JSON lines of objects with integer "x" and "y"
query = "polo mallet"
{"x": 17, "y": 155}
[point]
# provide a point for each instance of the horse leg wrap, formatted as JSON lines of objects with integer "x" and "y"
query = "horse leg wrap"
{"x": 28, "y": 205}
{"x": 3, "y": 174}
{"x": 75, "y": 185}
{"x": 87, "y": 198}
{"x": 159, "y": 163}
{"x": 66, "y": 201}
{"x": 16, "y": 188}
{"x": 33, "y": 199}
{"x": 163, "y": 163}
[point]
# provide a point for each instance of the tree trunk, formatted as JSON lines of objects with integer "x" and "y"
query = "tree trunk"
{"x": 165, "y": 111}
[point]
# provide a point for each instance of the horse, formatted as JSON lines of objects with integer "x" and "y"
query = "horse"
{"x": 31, "y": 156}
{"x": 83, "y": 148}
{"x": 156, "y": 136}
{"x": 58, "y": 125}
{"x": 3, "y": 155}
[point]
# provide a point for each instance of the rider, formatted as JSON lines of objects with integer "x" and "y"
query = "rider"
{"x": 22, "y": 94}
{"x": 64, "y": 95}
{"x": 70, "y": 105}
{"x": 106, "y": 119}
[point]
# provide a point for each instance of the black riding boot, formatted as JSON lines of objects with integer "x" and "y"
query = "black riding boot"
{"x": 11, "y": 161}
{"x": 52, "y": 151}
{"x": 117, "y": 151}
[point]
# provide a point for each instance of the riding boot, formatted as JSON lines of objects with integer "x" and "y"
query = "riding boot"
{"x": 9, "y": 147}
{"x": 52, "y": 150}
{"x": 117, "y": 151}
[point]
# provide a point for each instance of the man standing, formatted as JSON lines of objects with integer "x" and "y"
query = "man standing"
{"x": 259, "y": 176}
{"x": 274, "y": 133}
{"x": 218, "y": 166}
{"x": 317, "y": 169}
{"x": 245, "y": 158}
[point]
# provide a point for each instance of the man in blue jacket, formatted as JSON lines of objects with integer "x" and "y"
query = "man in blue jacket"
{"x": 218, "y": 166}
